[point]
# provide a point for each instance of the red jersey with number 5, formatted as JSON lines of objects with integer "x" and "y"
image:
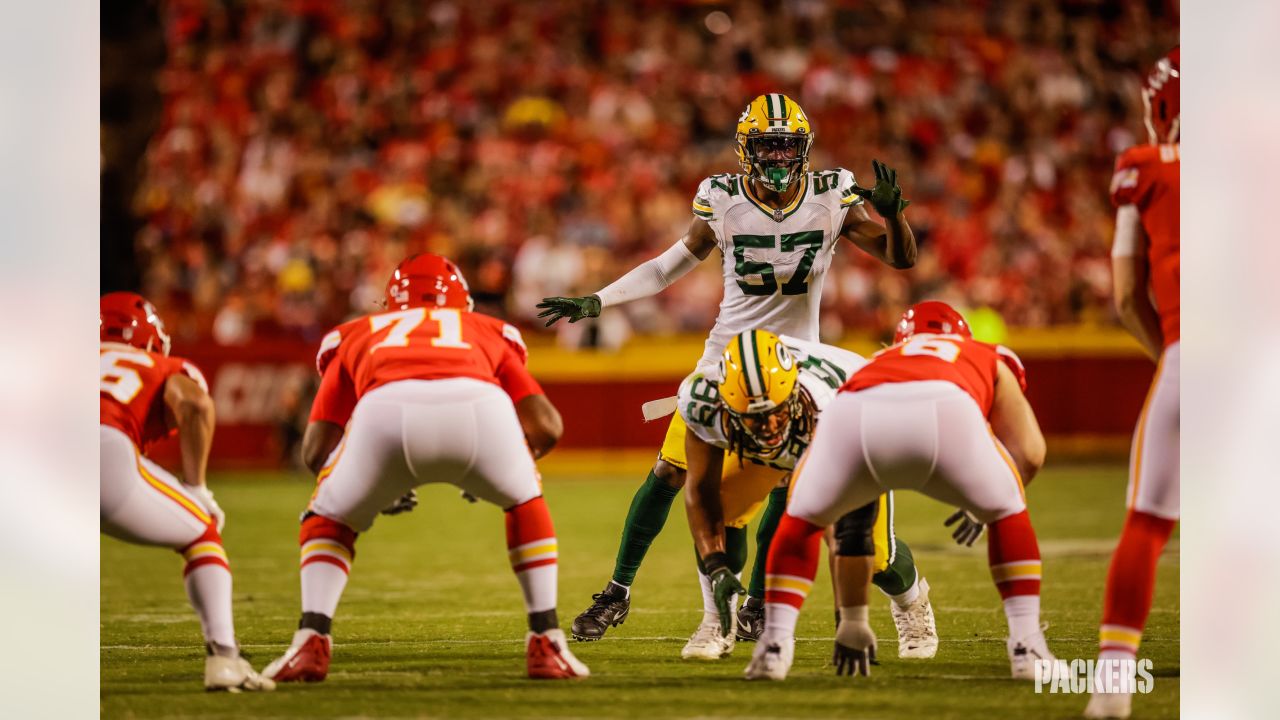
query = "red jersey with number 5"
{"x": 417, "y": 344}
{"x": 1148, "y": 177}
{"x": 964, "y": 361}
{"x": 131, "y": 393}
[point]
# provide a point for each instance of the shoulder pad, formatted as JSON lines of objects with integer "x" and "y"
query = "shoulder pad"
{"x": 712, "y": 193}
{"x": 698, "y": 402}
{"x": 328, "y": 349}
{"x": 1014, "y": 363}
{"x": 1129, "y": 164}
{"x": 512, "y": 335}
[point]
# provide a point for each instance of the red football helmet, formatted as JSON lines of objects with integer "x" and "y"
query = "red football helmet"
{"x": 128, "y": 317}
{"x": 1160, "y": 99}
{"x": 428, "y": 280}
{"x": 930, "y": 316}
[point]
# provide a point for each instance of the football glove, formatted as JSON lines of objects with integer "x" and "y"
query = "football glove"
{"x": 210, "y": 505}
{"x": 403, "y": 504}
{"x": 574, "y": 308}
{"x": 885, "y": 196}
{"x": 724, "y": 585}
{"x": 847, "y": 658}
{"x": 968, "y": 530}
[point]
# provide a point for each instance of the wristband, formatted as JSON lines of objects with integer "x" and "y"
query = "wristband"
{"x": 714, "y": 562}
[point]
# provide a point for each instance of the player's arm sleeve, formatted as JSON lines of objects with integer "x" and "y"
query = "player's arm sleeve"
{"x": 650, "y": 277}
{"x": 336, "y": 398}
{"x": 656, "y": 274}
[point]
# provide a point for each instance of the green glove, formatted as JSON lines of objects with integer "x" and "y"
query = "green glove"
{"x": 886, "y": 196}
{"x": 574, "y": 308}
{"x": 724, "y": 585}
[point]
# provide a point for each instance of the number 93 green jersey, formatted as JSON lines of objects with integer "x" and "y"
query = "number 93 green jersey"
{"x": 774, "y": 260}
{"x": 823, "y": 369}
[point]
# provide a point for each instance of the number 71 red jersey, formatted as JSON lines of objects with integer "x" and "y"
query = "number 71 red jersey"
{"x": 417, "y": 344}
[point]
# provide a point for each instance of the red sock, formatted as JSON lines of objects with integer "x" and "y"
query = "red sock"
{"x": 1131, "y": 581}
{"x": 327, "y": 541}
{"x": 532, "y": 550}
{"x": 793, "y": 561}
{"x": 204, "y": 550}
{"x": 1014, "y": 556}
{"x": 328, "y": 549}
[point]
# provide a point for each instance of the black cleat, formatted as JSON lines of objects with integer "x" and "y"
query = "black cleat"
{"x": 608, "y": 609}
{"x": 750, "y": 624}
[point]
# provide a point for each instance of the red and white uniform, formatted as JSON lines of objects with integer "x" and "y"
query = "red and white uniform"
{"x": 1147, "y": 180}
{"x": 141, "y": 501}
{"x": 915, "y": 418}
{"x": 426, "y": 395}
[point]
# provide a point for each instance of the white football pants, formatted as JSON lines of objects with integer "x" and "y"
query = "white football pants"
{"x": 1153, "y": 460}
{"x": 140, "y": 501}
{"x": 928, "y": 436}
{"x": 408, "y": 433}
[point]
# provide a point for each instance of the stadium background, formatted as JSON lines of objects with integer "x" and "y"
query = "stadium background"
{"x": 266, "y": 163}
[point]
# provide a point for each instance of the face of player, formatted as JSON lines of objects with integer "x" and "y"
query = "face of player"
{"x": 777, "y": 150}
{"x": 769, "y": 429}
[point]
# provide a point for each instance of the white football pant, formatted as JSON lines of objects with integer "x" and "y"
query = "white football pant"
{"x": 928, "y": 436}
{"x": 408, "y": 433}
{"x": 1153, "y": 460}
{"x": 142, "y": 502}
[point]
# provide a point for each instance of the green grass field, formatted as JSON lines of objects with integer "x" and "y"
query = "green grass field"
{"x": 432, "y": 623}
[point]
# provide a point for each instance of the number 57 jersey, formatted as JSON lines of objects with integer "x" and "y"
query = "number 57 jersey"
{"x": 774, "y": 260}
{"x": 417, "y": 344}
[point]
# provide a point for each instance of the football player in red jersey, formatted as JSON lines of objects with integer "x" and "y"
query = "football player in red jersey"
{"x": 427, "y": 391}
{"x": 1145, "y": 269}
{"x": 915, "y": 417}
{"x": 146, "y": 396}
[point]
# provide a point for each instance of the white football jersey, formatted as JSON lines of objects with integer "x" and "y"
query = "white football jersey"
{"x": 823, "y": 369}
{"x": 774, "y": 260}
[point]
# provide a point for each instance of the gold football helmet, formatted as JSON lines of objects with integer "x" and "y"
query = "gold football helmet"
{"x": 773, "y": 141}
{"x": 758, "y": 387}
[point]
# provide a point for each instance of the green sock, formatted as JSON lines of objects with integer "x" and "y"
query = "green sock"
{"x": 901, "y": 573}
{"x": 645, "y": 519}
{"x": 735, "y": 546}
{"x": 764, "y": 536}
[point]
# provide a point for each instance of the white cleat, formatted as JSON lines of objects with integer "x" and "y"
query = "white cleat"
{"x": 1108, "y": 705}
{"x": 772, "y": 658}
{"x": 233, "y": 674}
{"x": 917, "y": 632}
{"x": 708, "y": 644}
{"x": 1024, "y": 653}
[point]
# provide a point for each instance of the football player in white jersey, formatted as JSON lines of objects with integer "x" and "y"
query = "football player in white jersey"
{"x": 763, "y": 412}
{"x": 777, "y": 225}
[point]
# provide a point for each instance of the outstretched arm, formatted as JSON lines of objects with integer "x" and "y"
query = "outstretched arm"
{"x": 892, "y": 243}
{"x": 648, "y": 278}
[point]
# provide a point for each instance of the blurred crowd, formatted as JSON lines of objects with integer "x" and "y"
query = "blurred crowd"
{"x": 306, "y": 146}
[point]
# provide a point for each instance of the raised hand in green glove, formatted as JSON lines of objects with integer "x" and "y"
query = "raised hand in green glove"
{"x": 886, "y": 196}
{"x": 574, "y": 308}
{"x": 724, "y": 585}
